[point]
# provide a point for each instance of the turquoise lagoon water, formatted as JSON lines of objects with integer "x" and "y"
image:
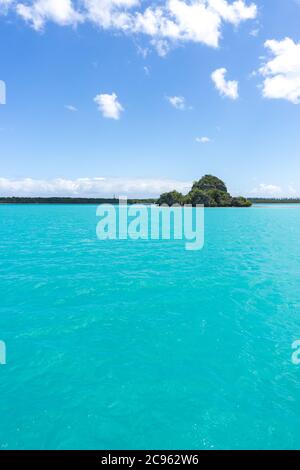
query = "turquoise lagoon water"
{"x": 123, "y": 344}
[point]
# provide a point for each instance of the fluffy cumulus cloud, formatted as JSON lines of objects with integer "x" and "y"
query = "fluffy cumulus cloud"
{"x": 38, "y": 12}
{"x": 282, "y": 71}
{"x": 166, "y": 22}
{"x": 90, "y": 187}
{"x": 225, "y": 87}
{"x": 109, "y": 105}
{"x": 109, "y": 14}
{"x": 196, "y": 20}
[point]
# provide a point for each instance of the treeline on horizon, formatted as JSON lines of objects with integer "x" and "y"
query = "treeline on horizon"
{"x": 271, "y": 200}
{"x": 70, "y": 200}
{"x": 78, "y": 200}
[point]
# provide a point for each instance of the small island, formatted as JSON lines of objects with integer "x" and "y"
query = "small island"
{"x": 209, "y": 191}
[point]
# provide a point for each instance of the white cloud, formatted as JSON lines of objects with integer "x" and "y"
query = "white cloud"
{"x": 71, "y": 108}
{"x": 267, "y": 190}
{"x": 235, "y": 12}
{"x": 166, "y": 23}
{"x": 197, "y": 21}
{"x": 109, "y": 105}
{"x": 38, "y": 12}
{"x": 90, "y": 187}
{"x": 177, "y": 102}
{"x": 226, "y": 88}
{"x": 203, "y": 140}
{"x": 282, "y": 71}
{"x": 109, "y": 14}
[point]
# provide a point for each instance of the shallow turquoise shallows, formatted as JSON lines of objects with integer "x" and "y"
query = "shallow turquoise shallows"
{"x": 142, "y": 344}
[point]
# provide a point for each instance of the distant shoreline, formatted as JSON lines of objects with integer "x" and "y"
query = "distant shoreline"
{"x": 87, "y": 201}
{"x": 70, "y": 200}
{"x": 274, "y": 201}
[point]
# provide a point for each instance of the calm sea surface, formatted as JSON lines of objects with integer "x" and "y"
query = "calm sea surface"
{"x": 123, "y": 344}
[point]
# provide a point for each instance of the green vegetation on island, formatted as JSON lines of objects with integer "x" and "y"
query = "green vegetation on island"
{"x": 209, "y": 191}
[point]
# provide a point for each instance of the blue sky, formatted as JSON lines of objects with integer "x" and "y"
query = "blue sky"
{"x": 119, "y": 96}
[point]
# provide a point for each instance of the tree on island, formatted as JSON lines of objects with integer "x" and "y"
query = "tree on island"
{"x": 209, "y": 191}
{"x": 241, "y": 202}
{"x": 171, "y": 198}
{"x": 208, "y": 182}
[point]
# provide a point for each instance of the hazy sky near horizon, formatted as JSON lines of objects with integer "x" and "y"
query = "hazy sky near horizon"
{"x": 134, "y": 97}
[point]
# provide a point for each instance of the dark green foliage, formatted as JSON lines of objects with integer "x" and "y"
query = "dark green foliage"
{"x": 197, "y": 196}
{"x": 209, "y": 191}
{"x": 169, "y": 199}
{"x": 220, "y": 198}
{"x": 240, "y": 202}
{"x": 210, "y": 182}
